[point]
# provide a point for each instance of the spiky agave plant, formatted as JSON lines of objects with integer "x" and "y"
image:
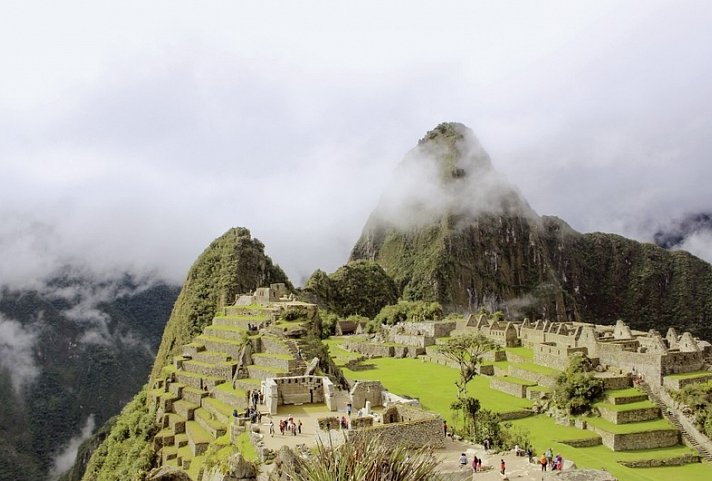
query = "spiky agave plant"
{"x": 368, "y": 460}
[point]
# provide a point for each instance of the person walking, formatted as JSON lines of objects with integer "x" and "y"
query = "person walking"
{"x": 543, "y": 462}
{"x": 271, "y": 428}
{"x": 502, "y": 467}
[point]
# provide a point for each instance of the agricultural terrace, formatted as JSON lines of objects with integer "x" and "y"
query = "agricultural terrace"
{"x": 434, "y": 386}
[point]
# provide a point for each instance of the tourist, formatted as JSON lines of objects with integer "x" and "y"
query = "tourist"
{"x": 271, "y": 428}
{"x": 517, "y": 450}
{"x": 502, "y": 467}
{"x": 543, "y": 462}
{"x": 299, "y": 426}
{"x": 487, "y": 444}
{"x": 559, "y": 463}
{"x": 445, "y": 428}
{"x": 530, "y": 453}
{"x": 474, "y": 463}
{"x": 550, "y": 458}
{"x": 463, "y": 460}
{"x": 479, "y": 464}
{"x": 349, "y": 407}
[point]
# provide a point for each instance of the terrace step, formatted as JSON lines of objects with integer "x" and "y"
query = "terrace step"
{"x": 272, "y": 344}
{"x": 192, "y": 348}
{"x": 198, "y": 381}
{"x": 242, "y": 322}
{"x": 185, "y": 409}
{"x": 174, "y": 422}
{"x": 181, "y": 440}
{"x": 176, "y": 388}
{"x": 672, "y": 417}
{"x": 212, "y": 356}
{"x": 223, "y": 370}
{"x": 247, "y": 384}
{"x": 275, "y": 361}
{"x": 232, "y": 333}
{"x": 194, "y": 395}
{"x": 168, "y": 453}
{"x": 208, "y": 422}
{"x": 198, "y": 438}
{"x": 237, "y": 398}
{"x": 212, "y": 343}
{"x": 264, "y": 372}
{"x": 220, "y": 410}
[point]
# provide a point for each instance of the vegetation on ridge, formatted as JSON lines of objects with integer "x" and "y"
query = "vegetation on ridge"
{"x": 233, "y": 264}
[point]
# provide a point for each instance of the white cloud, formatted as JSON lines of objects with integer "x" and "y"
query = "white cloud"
{"x": 134, "y": 134}
{"x": 17, "y": 357}
{"x": 67, "y": 454}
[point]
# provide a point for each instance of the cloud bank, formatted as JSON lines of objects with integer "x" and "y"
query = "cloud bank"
{"x": 131, "y": 141}
{"x": 17, "y": 353}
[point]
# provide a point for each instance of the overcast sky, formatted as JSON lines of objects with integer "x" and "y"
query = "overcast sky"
{"x": 132, "y": 134}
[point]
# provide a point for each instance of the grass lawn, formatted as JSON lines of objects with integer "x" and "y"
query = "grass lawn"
{"x": 689, "y": 375}
{"x": 640, "y": 427}
{"x": 523, "y": 352}
{"x": 547, "y": 371}
{"x": 433, "y": 384}
{"x": 628, "y": 392}
{"x": 546, "y": 433}
{"x": 625, "y": 407}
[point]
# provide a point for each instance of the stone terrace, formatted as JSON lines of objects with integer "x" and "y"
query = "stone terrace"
{"x": 196, "y": 395}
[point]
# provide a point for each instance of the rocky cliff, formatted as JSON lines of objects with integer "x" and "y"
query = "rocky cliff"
{"x": 449, "y": 228}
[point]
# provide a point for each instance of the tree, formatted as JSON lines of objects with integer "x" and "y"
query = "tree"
{"x": 467, "y": 352}
{"x": 577, "y": 388}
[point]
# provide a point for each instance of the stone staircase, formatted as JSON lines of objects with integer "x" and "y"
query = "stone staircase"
{"x": 196, "y": 395}
{"x": 671, "y": 416}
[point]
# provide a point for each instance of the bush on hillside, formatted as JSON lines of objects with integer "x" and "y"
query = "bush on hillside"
{"x": 359, "y": 287}
{"x": 409, "y": 310}
{"x": 577, "y": 388}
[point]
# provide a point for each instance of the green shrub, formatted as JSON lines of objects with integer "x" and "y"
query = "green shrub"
{"x": 577, "y": 388}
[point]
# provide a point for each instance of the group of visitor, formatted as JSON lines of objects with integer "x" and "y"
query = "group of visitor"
{"x": 256, "y": 397}
{"x": 553, "y": 463}
{"x": 288, "y": 425}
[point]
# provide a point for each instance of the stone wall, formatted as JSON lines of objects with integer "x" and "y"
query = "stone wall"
{"x": 536, "y": 377}
{"x": 553, "y": 356}
{"x": 615, "y": 382}
{"x": 679, "y": 383}
{"x": 681, "y": 362}
{"x": 412, "y": 435}
{"x": 647, "y": 364}
{"x": 363, "y": 391}
{"x": 372, "y": 350}
{"x": 662, "y": 438}
{"x": 407, "y": 351}
{"x": 298, "y": 390}
{"x": 630, "y": 416}
{"x": 411, "y": 340}
{"x": 513, "y": 388}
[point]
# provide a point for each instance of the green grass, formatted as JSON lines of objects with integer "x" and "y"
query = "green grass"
{"x": 625, "y": 407}
{"x": 515, "y": 380}
{"x": 530, "y": 366}
{"x": 285, "y": 357}
{"x": 640, "y": 427}
{"x": 434, "y": 385}
{"x": 689, "y": 375}
{"x": 523, "y": 352}
{"x": 628, "y": 392}
{"x": 340, "y": 355}
{"x": 545, "y": 433}
{"x": 246, "y": 448}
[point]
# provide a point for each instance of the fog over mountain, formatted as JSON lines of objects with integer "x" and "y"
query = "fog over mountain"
{"x": 134, "y": 134}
